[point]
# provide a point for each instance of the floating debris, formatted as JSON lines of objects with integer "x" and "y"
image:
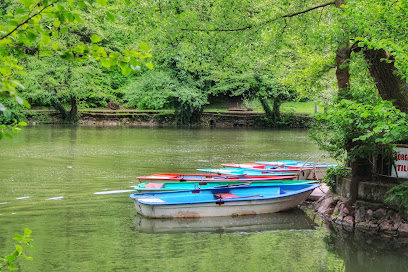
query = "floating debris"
{"x": 55, "y": 198}
{"x": 24, "y": 197}
{"x": 113, "y": 192}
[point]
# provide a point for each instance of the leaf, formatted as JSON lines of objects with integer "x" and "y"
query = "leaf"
{"x": 143, "y": 46}
{"x": 7, "y": 113}
{"x": 12, "y": 257}
{"x": 95, "y": 38}
{"x": 149, "y": 65}
{"x": 81, "y": 4}
{"x": 102, "y": 2}
{"x": 78, "y": 18}
{"x": 13, "y": 23}
{"x": 26, "y": 3}
{"x": 27, "y": 231}
{"x": 125, "y": 69}
{"x": 20, "y": 11}
{"x": 18, "y": 84}
{"x": 106, "y": 62}
{"x": 27, "y": 258}
{"x": 45, "y": 38}
{"x": 55, "y": 46}
{"x": 19, "y": 248}
{"x": 31, "y": 35}
{"x": 18, "y": 237}
{"x": 11, "y": 266}
{"x": 23, "y": 124}
{"x": 111, "y": 17}
{"x": 19, "y": 100}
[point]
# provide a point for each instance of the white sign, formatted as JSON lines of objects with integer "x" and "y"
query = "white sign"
{"x": 401, "y": 162}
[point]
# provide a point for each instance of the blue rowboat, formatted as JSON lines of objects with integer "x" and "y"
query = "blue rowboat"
{"x": 318, "y": 172}
{"x": 297, "y": 163}
{"x": 245, "y": 200}
{"x": 300, "y": 174}
{"x": 182, "y": 186}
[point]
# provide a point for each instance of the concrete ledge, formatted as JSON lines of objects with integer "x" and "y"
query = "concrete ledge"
{"x": 373, "y": 192}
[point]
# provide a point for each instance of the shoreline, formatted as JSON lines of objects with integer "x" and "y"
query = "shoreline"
{"x": 168, "y": 118}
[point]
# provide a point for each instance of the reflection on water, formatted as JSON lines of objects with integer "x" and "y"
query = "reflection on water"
{"x": 77, "y": 230}
{"x": 367, "y": 252}
{"x": 295, "y": 219}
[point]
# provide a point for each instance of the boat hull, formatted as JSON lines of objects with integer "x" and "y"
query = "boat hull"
{"x": 211, "y": 209}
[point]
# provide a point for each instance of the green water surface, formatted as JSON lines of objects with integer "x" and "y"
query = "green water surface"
{"x": 49, "y": 174}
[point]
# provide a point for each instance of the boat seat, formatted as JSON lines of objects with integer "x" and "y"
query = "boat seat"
{"x": 225, "y": 196}
{"x": 152, "y": 185}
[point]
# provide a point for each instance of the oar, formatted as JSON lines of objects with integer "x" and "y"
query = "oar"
{"x": 233, "y": 185}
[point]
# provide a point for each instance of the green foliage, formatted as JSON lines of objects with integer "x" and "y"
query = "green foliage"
{"x": 154, "y": 90}
{"x": 55, "y": 28}
{"x": 398, "y": 194}
{"x": 358, "y": 129}
{"x": 332, "y": 173}
{"x": 189, "y": 105}
{"x": 379, "y": 25}
{"x": 8, "y": 262}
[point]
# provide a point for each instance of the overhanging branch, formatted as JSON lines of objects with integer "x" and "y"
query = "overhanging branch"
{"x": 264, "y": 23}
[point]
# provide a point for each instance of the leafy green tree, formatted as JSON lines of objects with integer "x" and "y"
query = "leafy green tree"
{"x": 40, "y": 27}
{"x": 357, "y": 131}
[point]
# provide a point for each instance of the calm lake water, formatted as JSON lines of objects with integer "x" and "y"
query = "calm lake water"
{"x": 49, "y": 174}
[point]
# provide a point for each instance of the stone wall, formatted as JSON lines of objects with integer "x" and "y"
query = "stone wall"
{"x": 167, "y": 118}
{"x": 373, "y": 218}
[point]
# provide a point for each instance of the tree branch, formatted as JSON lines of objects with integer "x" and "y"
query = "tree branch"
{"x": 26, "y": 21}
{"x": 264, "y": 23}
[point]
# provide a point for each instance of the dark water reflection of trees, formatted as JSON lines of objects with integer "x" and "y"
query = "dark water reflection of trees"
{"x": 362, "y": 251}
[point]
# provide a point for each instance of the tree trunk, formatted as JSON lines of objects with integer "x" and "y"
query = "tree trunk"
{"x": 342, "y": 66}
{"x": 276, "y": 109}
{"x": 59, "y": 107}
{"x": 360, "y": 171}
{"x": 265, "y": 105}
{"x": 73, "y": 113}
{"x": 389, "y": 84}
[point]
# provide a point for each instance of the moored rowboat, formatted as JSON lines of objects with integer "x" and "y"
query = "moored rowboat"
{"x": 318, "y": 172}
{"x": 182, "y": 186}
{"x": 257, "y": 176}
{"x": 245, "y": 200}
{"x": 300, "y": 174}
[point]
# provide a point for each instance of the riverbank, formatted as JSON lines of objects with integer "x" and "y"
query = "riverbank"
{"x": 233, "y": 118}
{"x": 365, "y": 221}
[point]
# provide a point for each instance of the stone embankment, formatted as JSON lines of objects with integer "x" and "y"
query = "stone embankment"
{"x": 368, "y": 218}
{"x": 168, "y": 118}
